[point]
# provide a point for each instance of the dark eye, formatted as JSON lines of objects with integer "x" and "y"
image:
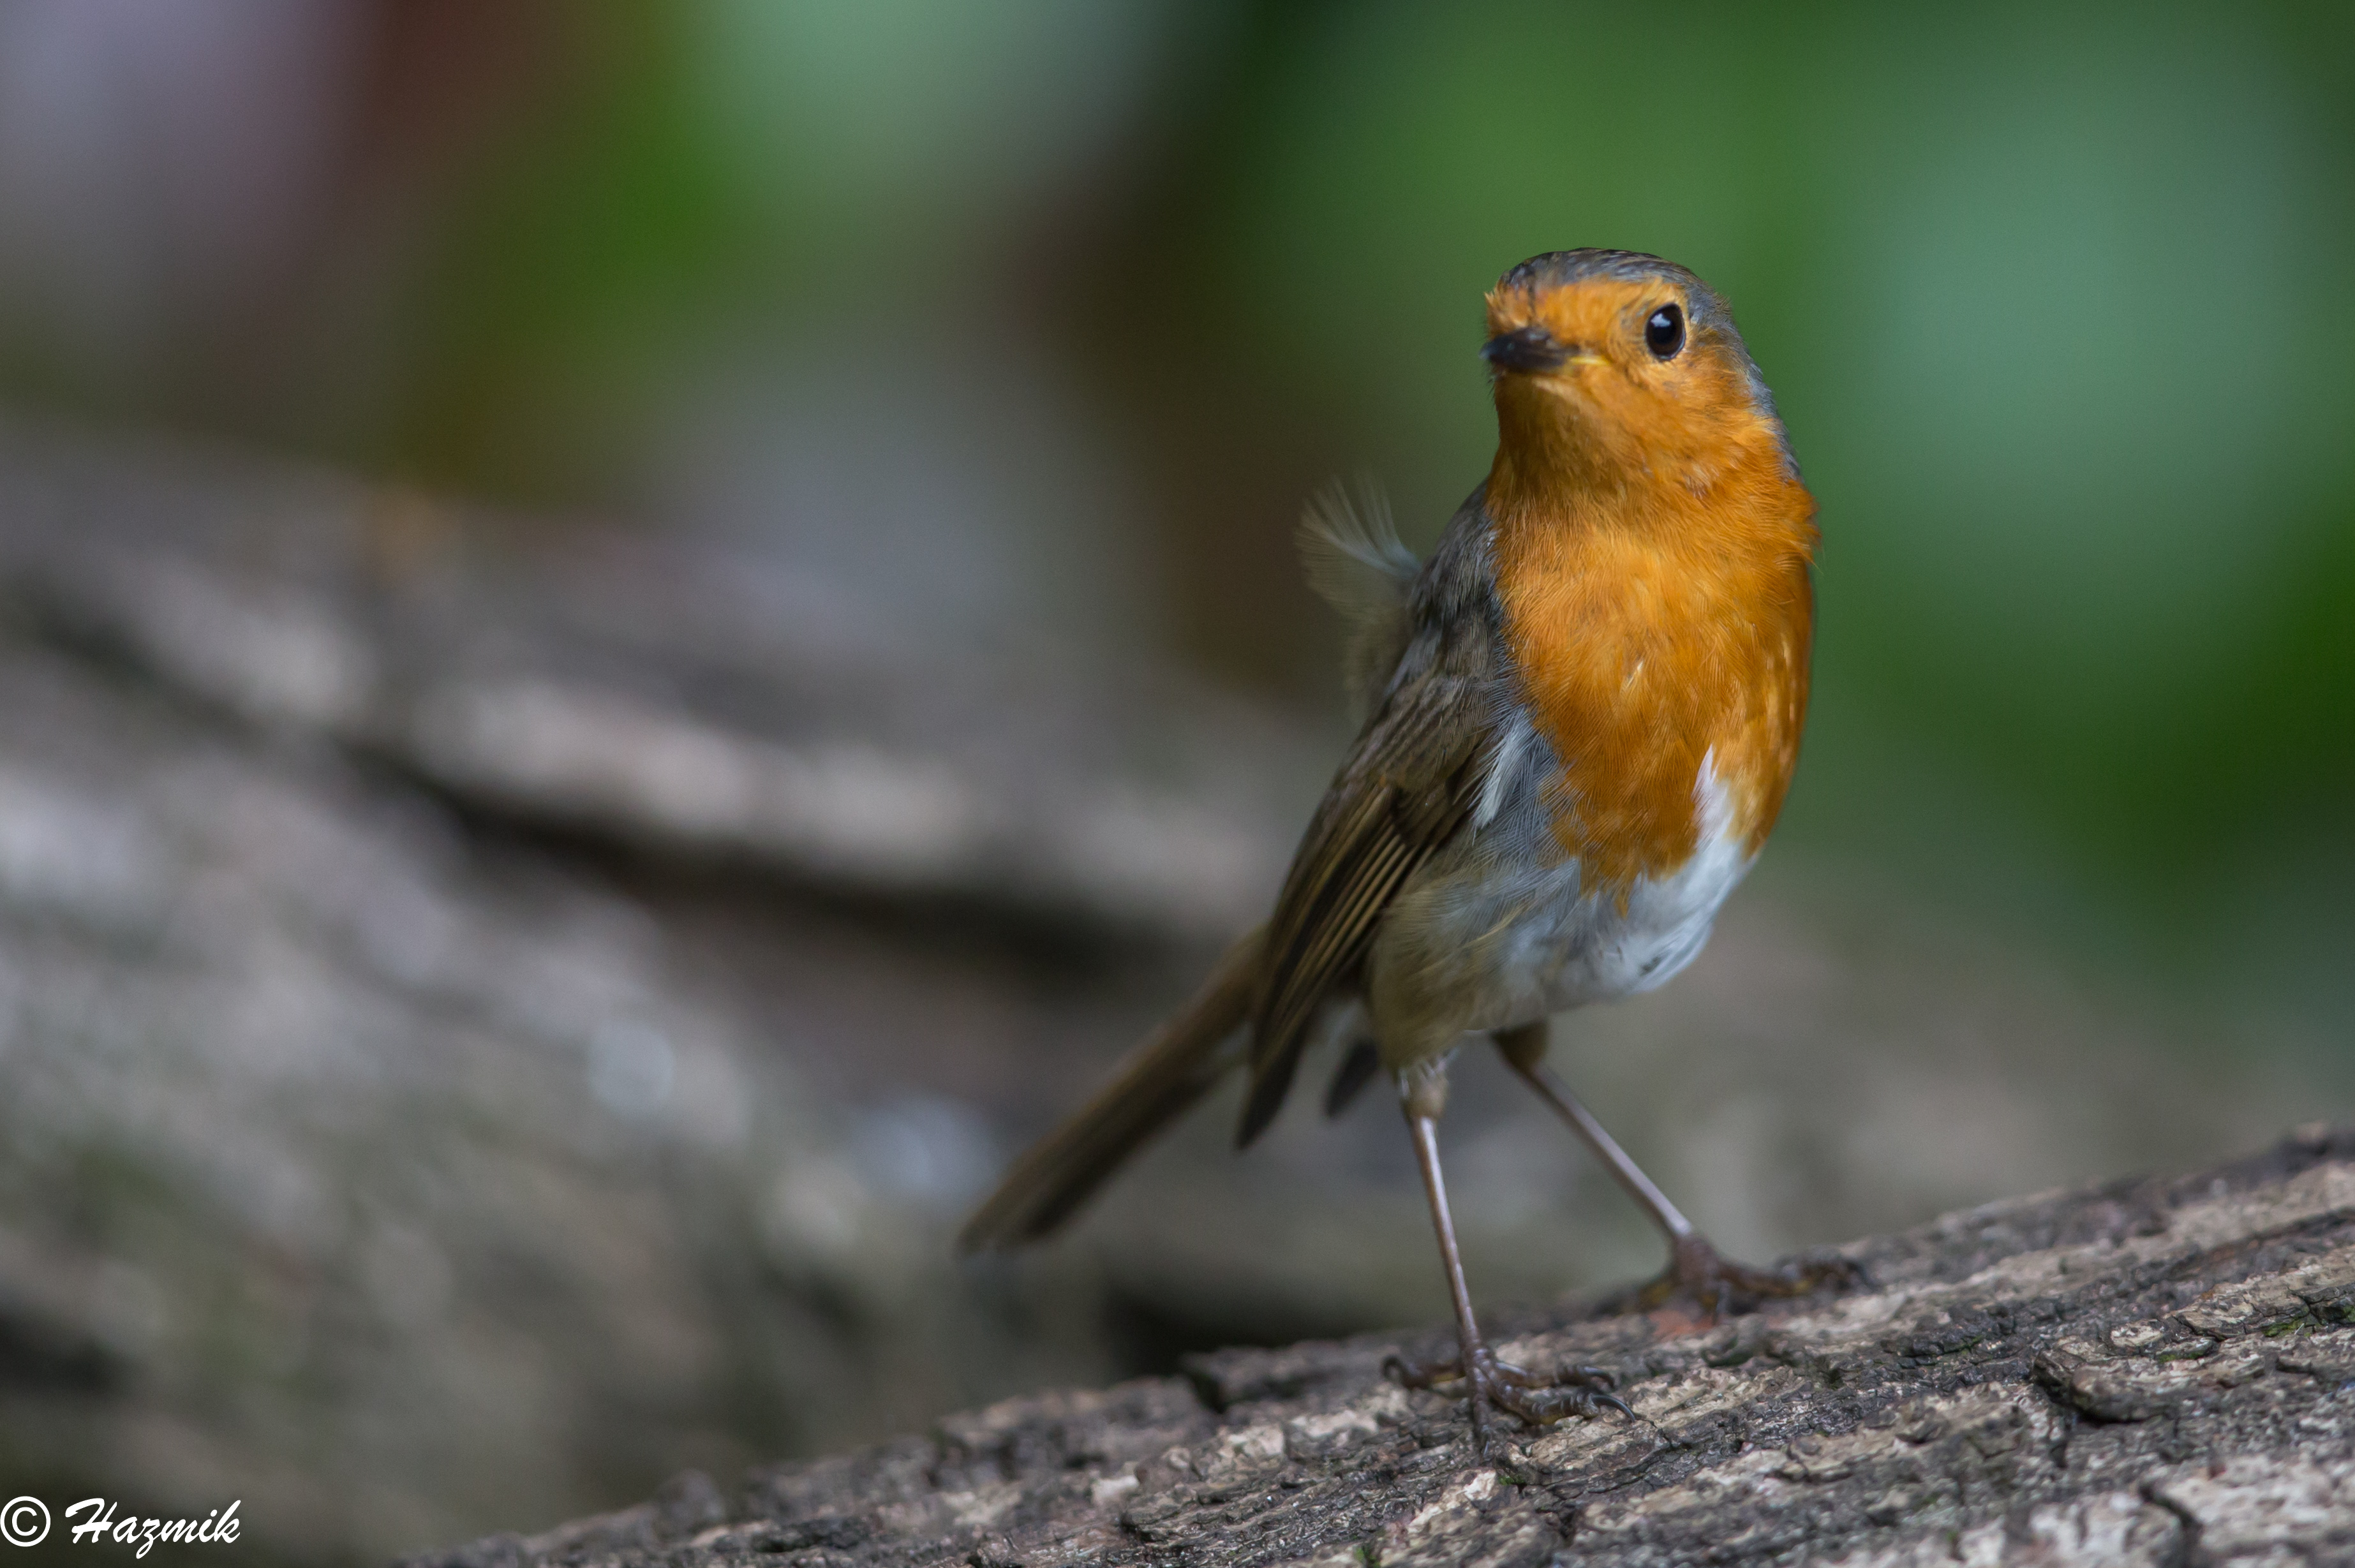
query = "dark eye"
{"x": 1664, "y": 334}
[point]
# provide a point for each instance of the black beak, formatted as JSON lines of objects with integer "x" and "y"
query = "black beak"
{"x": 1525, "y": 348}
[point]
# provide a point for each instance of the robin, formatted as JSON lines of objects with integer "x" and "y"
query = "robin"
{"x": 1582, "y": 714}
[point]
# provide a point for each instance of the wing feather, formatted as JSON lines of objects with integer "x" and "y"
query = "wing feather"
{"x": 1409, "y": 785}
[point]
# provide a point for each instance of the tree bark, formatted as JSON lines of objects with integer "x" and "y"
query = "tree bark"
{"x": 2151, "y": 1371}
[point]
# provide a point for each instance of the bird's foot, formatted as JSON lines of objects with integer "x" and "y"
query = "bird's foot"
{"x": 1720, "y": 1286}
{"x": 1538, "y": 1398}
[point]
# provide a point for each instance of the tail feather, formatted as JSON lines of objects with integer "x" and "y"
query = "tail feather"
{"x": 1181, "y": 1061}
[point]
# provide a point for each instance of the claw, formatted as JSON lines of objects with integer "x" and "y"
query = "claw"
{"x": 1543, "y": 1406}
{"x": 1720, "y": 1286}
{"x": 1421, "y": 1374}
{"x": 1537, "y": 1399}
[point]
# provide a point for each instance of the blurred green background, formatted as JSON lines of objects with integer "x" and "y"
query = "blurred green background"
{"x": 1027, "y": 328}
{"x": 1035, "y": 322}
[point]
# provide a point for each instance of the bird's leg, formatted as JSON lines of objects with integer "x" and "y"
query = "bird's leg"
{"x": 1489, "y": 1384}
{"x": 1717, "y": 1284}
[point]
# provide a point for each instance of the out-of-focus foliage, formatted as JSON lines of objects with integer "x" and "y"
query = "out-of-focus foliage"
{"x": 1041, "y": 317}
{"x": 2049, "y": 301}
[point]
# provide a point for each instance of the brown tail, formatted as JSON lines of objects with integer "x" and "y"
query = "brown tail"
{"x": 1177, "y": 1064}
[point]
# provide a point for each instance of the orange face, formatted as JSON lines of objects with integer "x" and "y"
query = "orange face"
{"x": 1605, "y": 375}
{"x": 1652, "y": 548}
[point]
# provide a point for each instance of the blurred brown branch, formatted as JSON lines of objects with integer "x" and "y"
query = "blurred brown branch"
{"x": 588, "y": 680}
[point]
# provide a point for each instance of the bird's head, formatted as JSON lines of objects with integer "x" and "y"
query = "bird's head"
{"x": 1619, "y": 371}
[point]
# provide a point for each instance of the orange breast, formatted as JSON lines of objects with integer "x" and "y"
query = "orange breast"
{"x": 1654, "y": 630}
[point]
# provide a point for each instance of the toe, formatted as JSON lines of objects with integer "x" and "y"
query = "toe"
{"x": 1421, "y": 1374}
{"x": 1544, "y": 1406}
{"x": 1720, "y": 1286}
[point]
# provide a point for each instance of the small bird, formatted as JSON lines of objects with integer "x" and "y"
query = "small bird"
{"x": 1582, "y": 714}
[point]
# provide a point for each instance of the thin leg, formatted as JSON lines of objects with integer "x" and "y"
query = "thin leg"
{"x": 1531, "y": 1066}
{"x": 1695, "y": 1267}
{"x": 1476, "y": 1356}
{"x": 1488, "y": 1383}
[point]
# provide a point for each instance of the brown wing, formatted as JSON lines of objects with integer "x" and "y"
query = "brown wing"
{"x": 1409, "y": 786}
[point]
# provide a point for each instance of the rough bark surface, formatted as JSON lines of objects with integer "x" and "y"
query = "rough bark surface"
{"x": 2151, "y": 1371}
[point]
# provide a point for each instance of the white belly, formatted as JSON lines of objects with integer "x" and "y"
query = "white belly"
{"x": 1491, "y": 937}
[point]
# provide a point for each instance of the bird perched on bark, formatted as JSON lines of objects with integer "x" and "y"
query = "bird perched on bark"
{"x": 1582, "y": 714}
